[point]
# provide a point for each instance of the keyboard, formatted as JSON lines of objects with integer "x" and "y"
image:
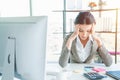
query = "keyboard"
{"x": 93, "y": 75}
{"x": 114, "y": 74}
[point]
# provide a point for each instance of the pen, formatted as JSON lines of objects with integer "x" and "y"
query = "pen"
{"x": 88, "y": 67}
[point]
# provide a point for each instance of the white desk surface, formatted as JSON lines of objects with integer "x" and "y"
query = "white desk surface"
{"x": 14, "y": 78}
{"x": 75, "y": 71}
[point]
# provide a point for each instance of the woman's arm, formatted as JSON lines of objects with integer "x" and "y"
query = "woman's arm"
{"x": 105, "y": 55}
{"x": 66, "y": 48}
{"x": 103, "y": 52}
{"x": 65, "y": 53}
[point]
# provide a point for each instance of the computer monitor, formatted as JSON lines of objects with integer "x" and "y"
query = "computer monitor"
{"x": 28, "y": 35}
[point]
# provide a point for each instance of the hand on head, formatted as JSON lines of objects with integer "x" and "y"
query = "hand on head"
{"x": 93, "y": 29}
{"x": 76, "y": 32}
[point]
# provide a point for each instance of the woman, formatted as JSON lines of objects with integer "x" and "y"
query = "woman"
{"x": 82, "y": 45}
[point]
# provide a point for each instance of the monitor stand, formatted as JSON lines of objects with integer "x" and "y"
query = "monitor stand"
{"x": 8, "y": 68}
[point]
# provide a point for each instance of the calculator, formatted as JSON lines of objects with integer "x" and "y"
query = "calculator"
{"x": 93, "y": 76}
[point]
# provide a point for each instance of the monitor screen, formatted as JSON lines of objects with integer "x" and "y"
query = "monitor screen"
{"x": 30, "y": 35}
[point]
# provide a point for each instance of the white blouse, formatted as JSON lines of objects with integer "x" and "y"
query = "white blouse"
{"x": 83, "y": 52}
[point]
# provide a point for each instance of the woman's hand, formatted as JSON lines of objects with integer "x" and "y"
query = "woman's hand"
{"x": 75, "y": 33}
{"x": 73, "y": 36}
{"x": 93, "y": 30}
{"x": 98, "y": 40}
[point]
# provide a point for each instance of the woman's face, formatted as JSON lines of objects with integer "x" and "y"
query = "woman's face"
{"x": 85, "y": 31}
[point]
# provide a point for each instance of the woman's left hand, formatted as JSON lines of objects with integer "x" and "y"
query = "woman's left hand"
{"x": 98, "y": 40}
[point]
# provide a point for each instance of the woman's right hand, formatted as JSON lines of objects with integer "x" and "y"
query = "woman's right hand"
{"x": 75, "y": 33}
{"x": 73, "y": 36}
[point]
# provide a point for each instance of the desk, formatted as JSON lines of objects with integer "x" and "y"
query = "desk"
{"x": 75, "y": 71}
{"x": 14, "y": 78}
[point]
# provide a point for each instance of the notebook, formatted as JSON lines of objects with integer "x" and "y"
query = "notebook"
{"x": 114, "y": 74}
